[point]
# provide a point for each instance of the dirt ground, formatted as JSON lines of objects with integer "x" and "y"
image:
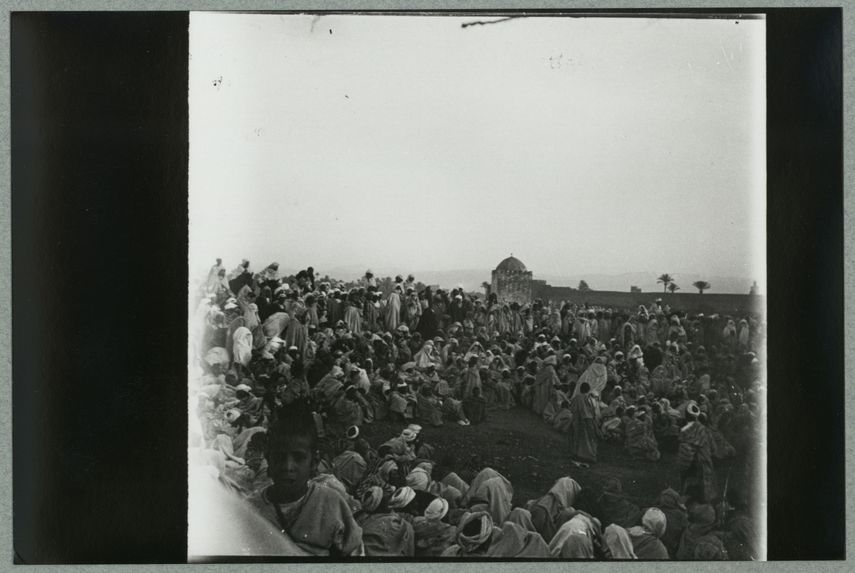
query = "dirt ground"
{"x": 522, "y": 447}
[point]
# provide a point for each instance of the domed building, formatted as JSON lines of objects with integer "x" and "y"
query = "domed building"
{"x": 512, "y": 282}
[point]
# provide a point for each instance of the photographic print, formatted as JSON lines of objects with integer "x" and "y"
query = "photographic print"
{"x": 472, "y": 286}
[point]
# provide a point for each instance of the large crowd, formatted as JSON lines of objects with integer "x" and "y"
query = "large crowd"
{"x": 287, "y": 372}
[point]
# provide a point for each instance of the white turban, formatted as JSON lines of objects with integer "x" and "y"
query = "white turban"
{"x": 437, "y": 509}
{"x": 402, "y": 497}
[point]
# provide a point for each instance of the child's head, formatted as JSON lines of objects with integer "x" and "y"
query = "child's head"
{"x": 291, "y": 454}
{"x": 258, "y": 442}
{"x": 361, "y": 447}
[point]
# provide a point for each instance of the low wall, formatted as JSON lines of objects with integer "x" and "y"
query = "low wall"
{"x": 707, "y": 303}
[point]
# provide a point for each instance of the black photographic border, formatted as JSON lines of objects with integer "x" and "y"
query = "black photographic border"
{"x": 99, "y": 284}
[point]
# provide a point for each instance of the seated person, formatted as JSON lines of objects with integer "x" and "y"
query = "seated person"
{"x": 478, "y": 537}
{"x": 433, "y": 533}
{"x": 614, "y": 507}
{"x": 401, "y": 448}
{"x": 293, "y": 501}
{"x": 450, "y": 406}
{"x": 640, "y": 441}
{"x": 429, "y": 406}
{"x": 612, "y": 427}
{"x": 385, "y": 533}
{"x": 402, "y": 402}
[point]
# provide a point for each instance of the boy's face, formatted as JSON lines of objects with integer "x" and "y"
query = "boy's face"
{"x": 291, "y": 463}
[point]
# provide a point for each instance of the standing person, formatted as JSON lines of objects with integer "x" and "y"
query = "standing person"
{"x": 607, "y": 327}
{"x": 584, "y": 428}
{"x": 335, "y": 310}
{"x": 641, "y": 325}
{"x": 216, "y": 278}
{"x": 696, "y": 332}
{"x": 694, "y": 456}
{"x": 368, "y": 280}
{"x": 246, "y": 301}
{"x": 242, "y": 348}
{"x": 743, "y": 336}
{"x": 517, "y": 323}
{"x": 503, "y": 390}
{"x": 215, "y": 269}
{"x": 393, "y": 309}
{"x": 652, "y": 330}
{"x": 269, "y": 276}
{"x": 218, "y": 287}
{"x": 475, "y": 406}
{"x": 370, "y": 310}
{"x": 544, "y": 384}
{"x": 265, "y": 303}
{"x": 528, "y": 321}
{"x": 503, "y": 323}
{"x": 440, "y": 308}
{"x": 352, "y": 317}
{"x": 312, "y": 318}
{"x": 414, "y": 309}
{"x": 652, "y": 355}
{"x": 297, "y": 333}
{"x": 427, "y": 325}
{"x": 580, "y": 330}
{"x": 456, "y": 309}
{"x": 730, "y": 335}
{"x": 628, "y": 333}
{"x": 240, "y": 276}
{"x": 472, "y": 378}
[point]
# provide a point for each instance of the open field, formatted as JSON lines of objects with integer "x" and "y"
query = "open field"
{"x": 522, "y": 447}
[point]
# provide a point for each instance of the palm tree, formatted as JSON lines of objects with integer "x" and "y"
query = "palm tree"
{"x": 665, "y": 279}
{"x": 701, "y": 286}
{"x": 672, "y": 287}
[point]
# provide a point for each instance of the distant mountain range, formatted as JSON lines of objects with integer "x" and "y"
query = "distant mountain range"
{"x": 471, "y": 279}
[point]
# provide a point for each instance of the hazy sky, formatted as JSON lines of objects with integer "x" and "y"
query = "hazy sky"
{"x": 599, "y": 145}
